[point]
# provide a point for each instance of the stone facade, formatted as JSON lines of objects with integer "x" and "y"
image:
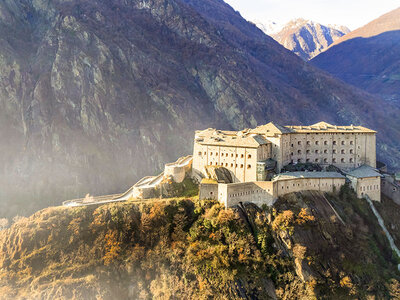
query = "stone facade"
{"x": 366, "y": 181}
{"x": 266, "y": 192}
{"x": 346, "y": 147}
{"x": 235, "y": 152}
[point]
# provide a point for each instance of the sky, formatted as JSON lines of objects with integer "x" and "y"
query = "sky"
{"x": 351, "y": 13}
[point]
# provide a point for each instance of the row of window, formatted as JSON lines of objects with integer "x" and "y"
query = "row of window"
{"x": 325, "y": 160}
{"x": 227, "y": 165}
{"x": 224, "y": 154}
{"x": 325, "y": 143}
{"x": 369, "y": 188}
{"x": 343, "y": 151}
{"x": 260, "y": 191}
{"x": 248, "y": 193}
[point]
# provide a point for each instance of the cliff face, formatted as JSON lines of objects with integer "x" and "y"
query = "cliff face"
{"x": 369, "y": 57}
{"x": 299, "y": 249}
{"x": 96, "y": 94}
{"x": 307, "y": 39}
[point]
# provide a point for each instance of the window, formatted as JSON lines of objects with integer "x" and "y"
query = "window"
{"x": 307, "y": 160}
{"x": 342, "y": 151}
{"x": 316, "y": 142}
{"x": 205, "y": 153}
{"x": 226, "y": 164}
{"x": 299, "y": 142}
{"x": 325, "y": 151}
{"x": 325, "y": 160}
{"x": 351, "y": 160}
{"x": 325, "y": 143}
{"x": 308, "y": 151}
{"x": 292, "y": 145}
{"x": 316, "y": 160}
{"x": 351, "y": 142}
{"x": 241, "y": 166}
{"x": 200, "y": 153}
{"x": 334, "y": 142}
{"x": 232, "y": 155}
{"x": 249, "y": 156}
{"x": 299, "y": 151}
{"x": 299, "y": 160}
{"x": 231, "y": 165}
{"x": 351, "y": 151}
{"x": 342, "y": 160}
{"x": 334, "y": 160}
{"x": 308, "y": 143}
{"x": 242, "y": 155}
{"x": 316, "y": 151}
{"x": 210, "y": 153}
{"x": 237, "y": 155}
{"x": 334, "y": 151}
{"x": 342, "y": 142}
{"x": 248, "y": 166}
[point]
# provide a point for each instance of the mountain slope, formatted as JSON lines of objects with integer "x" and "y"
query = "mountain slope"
{"x": 96, "y": 94}
{"x": 368, "y": 57}
{"x": 306, "y": 38}
{"x": 189, "y": 249}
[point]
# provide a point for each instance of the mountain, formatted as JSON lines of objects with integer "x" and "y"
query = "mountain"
{"x": 96, "y": 94}
{"x": 268, "y": 27}
{"x": 186, "y": 249}
{"x": 369, "y": 57}
{"x": 307, "y": 38}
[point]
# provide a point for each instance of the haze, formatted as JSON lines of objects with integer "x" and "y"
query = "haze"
{"x": 352, "y": 14}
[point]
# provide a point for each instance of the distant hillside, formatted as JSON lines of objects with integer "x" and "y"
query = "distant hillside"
{"x": 368, "y": 57}
{"x": 307, "y": 38}
{"x": 96, "y": 94}
{"x": 186, "y": 249}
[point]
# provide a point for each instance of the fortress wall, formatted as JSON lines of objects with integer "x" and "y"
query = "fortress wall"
{"x": 178, "y": 173}
{"x": 370, "y": 186}
{"x": 208, "y": 191}
{"x": 328, "y": 148}
{"x": 260, "y": 192}
{"x": 287, "y": 186}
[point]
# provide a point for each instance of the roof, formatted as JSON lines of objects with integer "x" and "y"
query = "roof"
{"x": 242, "y": 138}
{"x": 293, "y": 175}
{"x": 326, "y": 127}
{"x": 364, "y": 171}
{"x": 271, "y": 129}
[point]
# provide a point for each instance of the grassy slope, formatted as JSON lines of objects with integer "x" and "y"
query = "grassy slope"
{"x": 195, "y": 249}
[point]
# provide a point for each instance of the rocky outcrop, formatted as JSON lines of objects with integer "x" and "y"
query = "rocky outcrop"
{"x": 96, "y": 94}
{"x": 307, "y": 39}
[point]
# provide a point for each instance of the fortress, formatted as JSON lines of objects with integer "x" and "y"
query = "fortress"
{"x": 256, "y": 160}
{"x": 259, "y": 165}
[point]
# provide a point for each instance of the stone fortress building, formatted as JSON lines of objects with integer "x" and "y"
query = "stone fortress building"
{"x": 253, "y": 155}
{"x": 261, "y": 164}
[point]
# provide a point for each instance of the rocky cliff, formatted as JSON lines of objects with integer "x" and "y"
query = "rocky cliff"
{"x": 306, "y": 38}
{"x": 95, "y": 94}
{"x": 299, "y": 249}
{"x": 368, "y": 57}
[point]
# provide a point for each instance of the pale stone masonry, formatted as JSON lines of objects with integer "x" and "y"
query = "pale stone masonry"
{"x": 247, "y": 153}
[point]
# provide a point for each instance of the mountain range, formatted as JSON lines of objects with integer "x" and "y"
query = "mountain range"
{"x": 95, "y": 94}
{"x": 368, "y": 57}
{"x": 304, "y": 37}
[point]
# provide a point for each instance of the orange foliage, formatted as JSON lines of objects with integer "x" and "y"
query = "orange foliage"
{"x": 112, "y": 247}
{"x": 304, "y": 217}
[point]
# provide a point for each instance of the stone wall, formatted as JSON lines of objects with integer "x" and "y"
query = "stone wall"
{"x": 240, "y": 161}
{"x": 266, "y": 192}
{"x": 208, "y": 191}
{"x": 370, "y": 186}
{"x": 344, "y": 150}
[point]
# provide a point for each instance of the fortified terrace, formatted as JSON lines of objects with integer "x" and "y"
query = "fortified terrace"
{"x": 259, "y": 165}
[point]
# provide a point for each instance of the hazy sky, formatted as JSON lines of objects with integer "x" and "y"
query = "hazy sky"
{"x": 352, "y": 13}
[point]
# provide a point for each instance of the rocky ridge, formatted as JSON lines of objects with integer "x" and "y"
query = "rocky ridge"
{"x": 307, "y": 39}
